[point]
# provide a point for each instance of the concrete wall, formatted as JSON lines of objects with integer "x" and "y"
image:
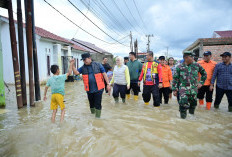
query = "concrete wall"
{"x": 8, "y": 73}
{"x": 77, "y": 55}
{"x": 44, "y": 49}
{"x": 2, "y": 87}
{"x": 98, "y": 58}
{"x": 217, "y": 50}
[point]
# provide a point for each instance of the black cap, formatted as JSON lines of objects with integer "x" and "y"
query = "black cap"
{"x": 126, "y": 58}
{"x": 207, "y": 53}
{"x": 188, "y": 53}
{"x": 84, "y": 56}
{"x": 161, "y": 57}
{"x": 226, "y": 54}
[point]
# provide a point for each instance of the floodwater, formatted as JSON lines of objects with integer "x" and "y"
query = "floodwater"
{"x": 130, "y": 129}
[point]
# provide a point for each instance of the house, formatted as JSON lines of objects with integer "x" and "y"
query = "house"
{"x": 142, "y": 56}
{"x": 220, "y": 42}
{"x": 96, "y": 53}
{"x": 51, "y": 49}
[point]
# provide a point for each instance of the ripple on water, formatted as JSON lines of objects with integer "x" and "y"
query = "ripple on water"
{"x": 130, "y": 129}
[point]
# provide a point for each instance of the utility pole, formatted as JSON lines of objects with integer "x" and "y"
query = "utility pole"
{"x": 167, "y": 53}
{"x": 148, "y": 41}
{"x": 35, "y": 58}
{"x": 21, "y": 52}
{"x": 15, "y": 56}
{"x": 29, "y": 50}
{"x": 131, "y": 43}
{"x": 136, "y": 47}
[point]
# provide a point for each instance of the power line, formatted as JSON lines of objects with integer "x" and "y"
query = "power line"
{"x": 139, "y": 13}
{"x": 83, "y": 19}
{"x": 110, "y": 14}
{"x": 92, "y": 10}
{"x": 131, "y": 14}
{"x": 94, "y": 23}
{"x": 122, "y": 40}
{"x": 77, "y": 25}
{"x": 123, "y": 15}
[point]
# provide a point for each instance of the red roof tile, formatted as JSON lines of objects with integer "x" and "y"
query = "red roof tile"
{"x": 224, "y": 33}
{"x": 46, "y": 34}
{"x": 77, "y": 47}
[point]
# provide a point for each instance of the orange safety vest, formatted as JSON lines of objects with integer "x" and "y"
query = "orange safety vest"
{"x": 97, "y": 73}
{"x": 209, "y": 68}
{"x": 167, "y": 75}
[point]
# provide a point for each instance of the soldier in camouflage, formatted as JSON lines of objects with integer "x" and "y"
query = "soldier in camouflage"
{"x": 185, "y": 81}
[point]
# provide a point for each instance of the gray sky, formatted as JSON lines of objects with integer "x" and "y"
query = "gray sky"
{"x": 174, "y": 23}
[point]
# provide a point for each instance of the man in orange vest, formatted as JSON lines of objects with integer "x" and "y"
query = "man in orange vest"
{"x": 93, "y": 75}
{"x": 167, "y": 78}
{"x": 209, "y": 66}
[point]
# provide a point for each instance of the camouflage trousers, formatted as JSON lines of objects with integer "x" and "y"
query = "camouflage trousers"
{"x": 187, "y": 101}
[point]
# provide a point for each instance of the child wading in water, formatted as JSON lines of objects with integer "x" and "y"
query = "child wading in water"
{"x": 56, "y": 83}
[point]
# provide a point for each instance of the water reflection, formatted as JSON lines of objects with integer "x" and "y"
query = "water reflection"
{"x": 130, "y": 129}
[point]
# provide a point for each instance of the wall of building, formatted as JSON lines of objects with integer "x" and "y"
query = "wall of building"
{"x": 77, "y": 55}
{"x": 44, "y": 48}
{"x": 8, "y": 72}
{"x": 97, "y": 57}
{"x": 217, "y": 50}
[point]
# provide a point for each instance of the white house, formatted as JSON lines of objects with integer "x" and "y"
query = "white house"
{"x": 51, "y": 49}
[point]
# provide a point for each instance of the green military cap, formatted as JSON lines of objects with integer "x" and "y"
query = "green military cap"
{"x": 188, "y": 53}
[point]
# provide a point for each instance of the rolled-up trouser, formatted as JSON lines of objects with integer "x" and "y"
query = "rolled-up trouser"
{"x": 134, "y": 87}
{"x": 187, "y": 101}
{"x": 154, "y": 90}
{"x": 205, "y": 90}
{"x": 95, "y": 99}
{"x": 219, "y": 95}
{"x": 164, "y": 91}
{"x": 119, "y": 89}
{"x": 178, "y": 96}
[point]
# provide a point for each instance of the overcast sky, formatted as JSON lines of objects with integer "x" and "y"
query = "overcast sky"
{"x": 174, "y": 23}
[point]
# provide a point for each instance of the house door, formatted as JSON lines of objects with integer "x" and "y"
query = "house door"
{"x": 77, "y": 63}
{"x": 48, "y": 65}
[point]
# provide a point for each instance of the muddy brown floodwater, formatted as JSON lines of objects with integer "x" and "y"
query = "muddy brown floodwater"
{"x": 130, "y": 129}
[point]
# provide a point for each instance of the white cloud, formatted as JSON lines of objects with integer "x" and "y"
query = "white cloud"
{"x": 174, "y": 24}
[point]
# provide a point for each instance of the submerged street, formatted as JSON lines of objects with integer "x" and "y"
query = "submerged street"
{"x": 130, "y": 129}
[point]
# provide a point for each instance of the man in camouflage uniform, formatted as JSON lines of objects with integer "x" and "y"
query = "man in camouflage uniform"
{"x": 185, "y": 81}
